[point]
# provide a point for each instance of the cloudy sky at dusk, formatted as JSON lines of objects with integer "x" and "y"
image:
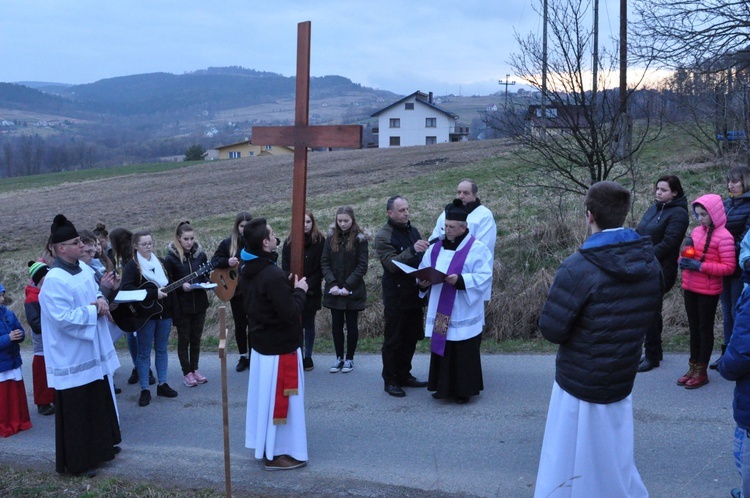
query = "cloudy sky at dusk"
{"x": 440, "y": 46}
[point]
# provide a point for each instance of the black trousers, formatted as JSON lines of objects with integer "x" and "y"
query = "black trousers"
{"x": 403, "y": 328}
{"x": 189, "y": 332}
{"x": 240, "y": 324}
{"x": 338, "y": 318}
{"x": 701, "y": 314}
{"x": 652, "y": 344}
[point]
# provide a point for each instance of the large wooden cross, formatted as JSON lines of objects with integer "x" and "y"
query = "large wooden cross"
{"x": 302, "y": 136}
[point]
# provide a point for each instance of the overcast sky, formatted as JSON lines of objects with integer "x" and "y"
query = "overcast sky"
{"x": 443, "y": 46}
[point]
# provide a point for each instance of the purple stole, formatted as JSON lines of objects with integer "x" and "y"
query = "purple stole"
{"x": 447, "y": 295}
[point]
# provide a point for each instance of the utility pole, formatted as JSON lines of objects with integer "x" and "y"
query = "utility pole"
{"x": 506, "y": 83}
{"x": 625, "y": 129}
{"x": 544, "y": 71}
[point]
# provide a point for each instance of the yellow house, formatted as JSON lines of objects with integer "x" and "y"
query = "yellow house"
{"x": 247, "y": 149}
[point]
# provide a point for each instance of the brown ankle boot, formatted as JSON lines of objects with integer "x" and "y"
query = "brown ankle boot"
{"x": 700, "y": 377}
{"x": 688, "y": 375}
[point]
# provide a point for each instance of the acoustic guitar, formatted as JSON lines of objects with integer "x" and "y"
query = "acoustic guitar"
{"x": 131, "y": 317}
{"x": 226, "y": 281}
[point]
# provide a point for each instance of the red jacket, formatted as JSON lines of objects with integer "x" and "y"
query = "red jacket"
{"x": 720, "y": 258}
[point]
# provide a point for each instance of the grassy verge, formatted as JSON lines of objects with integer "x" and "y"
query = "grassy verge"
{"x": 19, "y": 483}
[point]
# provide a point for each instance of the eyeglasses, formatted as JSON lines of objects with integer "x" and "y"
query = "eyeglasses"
{"x": 146, "y": 244}
{"x": 76, "y": 242}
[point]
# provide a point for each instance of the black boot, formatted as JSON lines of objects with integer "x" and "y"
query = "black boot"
{"x": 648, "y": 364}
{"x": 715, "y": 364}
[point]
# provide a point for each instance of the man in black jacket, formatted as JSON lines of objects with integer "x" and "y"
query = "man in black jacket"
{"x": 275, "y": 410}
{"x": 598, "y": 309}
{"x": 399, "y": 241}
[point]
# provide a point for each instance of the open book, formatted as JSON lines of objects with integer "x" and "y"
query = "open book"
{"x": 428, "y": 273}
{"x": 131, "y": 296}
{"x": 203, "y": 285}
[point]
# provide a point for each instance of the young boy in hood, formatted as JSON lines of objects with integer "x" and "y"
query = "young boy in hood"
{"x": 598, "y": 309}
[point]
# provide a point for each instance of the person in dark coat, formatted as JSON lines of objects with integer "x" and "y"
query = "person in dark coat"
{"x": 344, "y": 264}
{"x": 147, "y": 267}
{"x": 314, "y": 242}
{"x": 185, "y": 256}
{"x": 737, "y": 209}
{"x": 734, "y": 365}
{"x": 275, "y": 421}
{"x": 403, "y": 310}
{"x": 601, "y": 303}
{"x": 666, "y": 222}
{"x": 227, "y": 255}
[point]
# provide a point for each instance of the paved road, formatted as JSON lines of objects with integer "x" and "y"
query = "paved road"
{"x": 363, "y": 442}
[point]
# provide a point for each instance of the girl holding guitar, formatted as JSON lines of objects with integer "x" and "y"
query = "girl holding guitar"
{"x": 146, "y": 271}
{"x": 226, "y": 261}
{"x": 121, "y": 247}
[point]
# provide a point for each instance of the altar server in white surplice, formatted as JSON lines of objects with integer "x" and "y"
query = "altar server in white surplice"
{"x": 601, "y": 303}
{"x": 276, "y": 392}
{"x": 479, "y": 220}
{"x": 455, "y": 314}
{"x": 79, "y": 356}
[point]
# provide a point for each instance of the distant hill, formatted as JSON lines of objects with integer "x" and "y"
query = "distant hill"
{"x": 212, "y": 90}
{"x": 153, "y": 117}
{"x": 14, "y": 96}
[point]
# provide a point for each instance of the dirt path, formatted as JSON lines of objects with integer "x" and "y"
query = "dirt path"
{"x": 155, "y": 199}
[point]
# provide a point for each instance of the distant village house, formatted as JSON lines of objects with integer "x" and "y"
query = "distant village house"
{"x": 417, "y": 120}
{"x": 560, "y": 119}
{"x": 247, "y": 149}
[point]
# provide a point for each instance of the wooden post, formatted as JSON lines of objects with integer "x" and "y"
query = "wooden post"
{"x": 224, "y": 396}
{"x": 301, "y": 136}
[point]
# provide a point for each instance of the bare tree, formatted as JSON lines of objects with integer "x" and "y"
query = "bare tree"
{"x": 582, "y": 138}
{"x": 699, "y": 106}
{"x": 682, "y": 33}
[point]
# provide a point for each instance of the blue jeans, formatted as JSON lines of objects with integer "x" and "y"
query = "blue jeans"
{"x": 729, "y": 297}
{"x": 133, "y": 348}
{"x": 156, "y": 332}
{"x": 742, "y": 458}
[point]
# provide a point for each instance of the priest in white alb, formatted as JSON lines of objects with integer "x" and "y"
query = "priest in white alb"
{"x": 455, "y": 314}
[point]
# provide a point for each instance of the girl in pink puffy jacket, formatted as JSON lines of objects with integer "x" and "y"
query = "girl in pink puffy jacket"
{"x": 711, "y": 257}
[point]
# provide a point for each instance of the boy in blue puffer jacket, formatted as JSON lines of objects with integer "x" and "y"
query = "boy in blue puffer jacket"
{"x": 735, "y": 365}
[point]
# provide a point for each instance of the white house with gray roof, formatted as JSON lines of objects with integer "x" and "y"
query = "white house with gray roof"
{"x": 417, "y": 120}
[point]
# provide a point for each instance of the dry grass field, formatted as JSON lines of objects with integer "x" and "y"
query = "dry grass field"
{"x": 220, "y": 188}
{"x": 536, "y": 229}
{"x": 209, "y": 194}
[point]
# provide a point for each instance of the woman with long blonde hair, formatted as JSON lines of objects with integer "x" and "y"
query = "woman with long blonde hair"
{"x": 185, "y": 256}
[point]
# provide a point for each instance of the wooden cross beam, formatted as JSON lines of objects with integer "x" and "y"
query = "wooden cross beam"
{"x": 301, "y": 136}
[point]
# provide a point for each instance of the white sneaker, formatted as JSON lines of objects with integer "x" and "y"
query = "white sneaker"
{"x": 337, "y": 366}
{"x": 189, "y": 380}
{"x": 199, "y": 378}
{"x": 348, "y": 366}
